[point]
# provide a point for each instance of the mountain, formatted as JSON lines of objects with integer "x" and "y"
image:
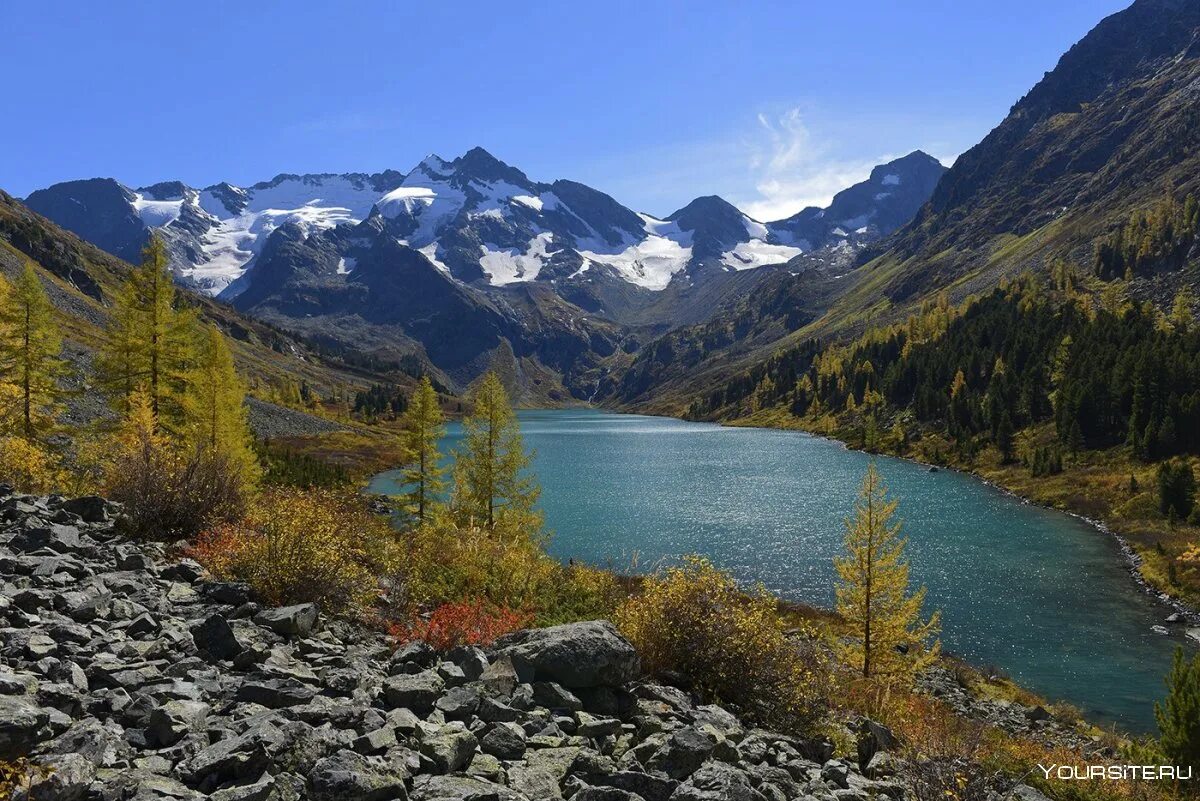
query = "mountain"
{"x": 1111, "y": 129}
{"x": 81, "y": 281}
{"x": 478, "y": 219}
{"x": 870, "y": 210}
{"x": 1112, "y": 132}
{"x": 470, "y": 264}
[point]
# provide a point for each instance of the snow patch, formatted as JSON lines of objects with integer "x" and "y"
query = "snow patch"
{"x": 511, "y": 266}
{"x": 346, "y": 265}
{"x": 756, "y": 253}
{"x": 535, "y": 203}
{"x": 891, "y": 179}
{"x": 157, "y": 213}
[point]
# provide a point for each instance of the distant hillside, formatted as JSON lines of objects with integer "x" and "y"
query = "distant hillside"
{"x": 1111, "y": 134}
{"x": 80, "y": 280}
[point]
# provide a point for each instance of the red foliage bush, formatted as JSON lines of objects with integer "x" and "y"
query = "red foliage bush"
{"x": 463, "y": 623}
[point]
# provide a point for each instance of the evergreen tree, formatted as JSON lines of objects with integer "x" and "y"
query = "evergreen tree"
{"x": 149, "y": 342}
{"x": 1178, "y": 716}
{"x": 489, "y": 470}
{"x": 1004, "y": 438}
{"x": 29, "y": 353}
{"x": 422, "y": 468}
{"x": 215, "y": 406}
{"x": 872, "y": 590}
{"x": 1176, "y": 489}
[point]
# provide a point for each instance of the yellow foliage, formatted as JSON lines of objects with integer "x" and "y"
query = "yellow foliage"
{"x": 29, "y": 466}
{"x": 507, "y": 566}
{"x": 872, "y": 593}
{"x": 695, "y": 620}
{"x": 299, "y": 546}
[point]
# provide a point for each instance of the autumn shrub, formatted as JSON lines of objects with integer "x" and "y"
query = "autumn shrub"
{"x": 506, "y": 566}
{"x": 298, "y": 546}
{"x": 29, "y": 466}
{"x": 695, "y": 621}
{"x": 474, "y": 622}
{"x": 168, "y": 492}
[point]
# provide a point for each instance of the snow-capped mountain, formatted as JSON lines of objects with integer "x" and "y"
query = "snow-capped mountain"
{"x": 868, "y": 210}
{"x": 476, "y": 218}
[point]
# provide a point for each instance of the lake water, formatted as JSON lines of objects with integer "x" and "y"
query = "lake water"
{"x": 1041, "y": 595}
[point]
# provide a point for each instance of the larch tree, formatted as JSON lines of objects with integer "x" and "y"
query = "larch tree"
{"x": 489, "y": 472}
{"x": 30, "y": 345}
{"x": 422, "y": 467}
{"x": 150, "y": 342}
{"x": 1178, "y": 716}
{"x": 890, "y": 638}
{"x": 215, "y": 406}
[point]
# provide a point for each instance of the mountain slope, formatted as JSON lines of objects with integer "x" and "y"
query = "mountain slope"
{"x": 80, "y": 280}
{"x": 1110, "y": 131}
{"x": 1107, "y": 132}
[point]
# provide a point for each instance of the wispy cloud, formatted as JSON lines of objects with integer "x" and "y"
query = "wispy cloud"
{"x": 790, "y": 168}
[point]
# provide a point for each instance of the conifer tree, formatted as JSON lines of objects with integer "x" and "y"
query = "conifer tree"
{"x": 149, "y": 346}
{"x": 489, "y": 470}
{"x": 30, "y": 345}
{"x": 1178, "y": 716}
{"x": 422, "y": 468}
{"x": 215, "y": 406}
{"x": 872, "y": 591}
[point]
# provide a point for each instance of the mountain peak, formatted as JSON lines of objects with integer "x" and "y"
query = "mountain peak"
{"x": 479, "y": 164}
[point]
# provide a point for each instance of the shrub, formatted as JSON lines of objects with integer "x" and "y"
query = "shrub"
{"x": 507, "y": 567}
{"x": 730, "y": 645}
{"x": 168, "y": 493}
{"x": 466, "y": 623}
{"x": 298, "y": 546}
{"x": 18, "y": 774}
{"x": 28, "y": 466}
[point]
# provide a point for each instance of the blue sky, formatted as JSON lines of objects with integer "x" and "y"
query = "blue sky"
{"x": 773, "y": 105}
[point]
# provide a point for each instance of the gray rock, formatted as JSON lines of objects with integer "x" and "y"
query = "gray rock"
{"x": 171, "y": 721}
{"x": 67, "y": 779}
{"x": 504, "y": 741}
{"x": 574, "y": 655}
{"x": 347, "y": 775}
{"x": 459, "y": 703}
{"x": 89, "y": 508}
{"x": 418, "y": 692}
{"x": 215, "y": 637}
{"x": 449, "y": 749}
{"x": 682, "y": 753}
{"x": 276, "y": 693}
{"x": 716, "y": 781}
{"x": 289, "y": 621}
{"x": 462, "y": 788}
{"x": 20, "y": 721}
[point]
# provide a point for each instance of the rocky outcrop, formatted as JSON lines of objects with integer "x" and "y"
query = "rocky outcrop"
{"x": 130, "y": 675}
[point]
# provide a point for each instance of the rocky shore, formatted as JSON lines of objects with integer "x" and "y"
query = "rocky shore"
{"x": 125, "y": 674}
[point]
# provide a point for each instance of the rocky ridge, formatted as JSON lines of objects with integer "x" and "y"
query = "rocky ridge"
{"x": 126, "y": 674}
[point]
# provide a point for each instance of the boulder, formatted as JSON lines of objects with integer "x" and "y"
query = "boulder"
{"x": 215, "y": 637}
{"x": 20, "y": 721}
{"x": 89, "y": 508}
{"x": 449, "y": 749}
{"x": 346, "y": 775}
{"x": 289, "y": 621}
{"x": 682, "y": 753}
{"x": 171, "y": 721}
{"x": 418, "y": 692}
{"x": 586, "y": 654}
{"x": 716, "y": 781}
{"x": 504, "y": 741}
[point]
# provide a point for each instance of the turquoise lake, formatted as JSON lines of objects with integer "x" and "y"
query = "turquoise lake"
{"x": 1043, "y": 596}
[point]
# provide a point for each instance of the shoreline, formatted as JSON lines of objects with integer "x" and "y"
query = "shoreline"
{"x": 1189, "y": 615}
